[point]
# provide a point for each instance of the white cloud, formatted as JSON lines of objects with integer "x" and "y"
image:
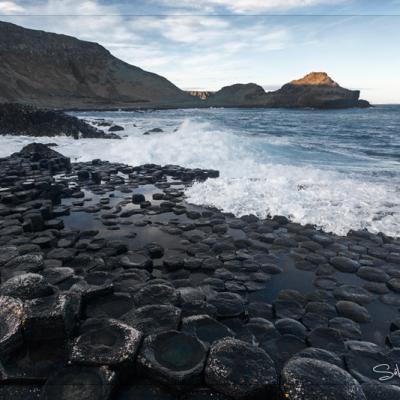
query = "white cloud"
{"x": 9, "y": 7}
{"x": 249, "y": 6}
{"x": 267, "y": 5}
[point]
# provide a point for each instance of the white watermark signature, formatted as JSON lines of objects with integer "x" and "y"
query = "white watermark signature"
{"x": 387, "y": 371}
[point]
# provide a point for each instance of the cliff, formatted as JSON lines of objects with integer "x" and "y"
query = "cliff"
{"x": 315, "y": 90}
{"x": 201, "y": 94}
{"x": 56, "y": 71}
{"x": 50, "y": 70}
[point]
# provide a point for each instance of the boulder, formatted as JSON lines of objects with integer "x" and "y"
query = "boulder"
{"x": 154, "y": 318}
{"x": 228, "y": 304}
{"x": 205, "y": 328}
{"x": 308, "y": 379}
{"x": 12, "y": 317}
{"x": 79, "y": 382}
{"x": 26, "y": 287}
{"x": 106, "y": 342}
{"x": 353, "y": 311}
{"x": 52, "y": 317}
{"x": 240, "y": 370}
{"x": 173, "y": 358}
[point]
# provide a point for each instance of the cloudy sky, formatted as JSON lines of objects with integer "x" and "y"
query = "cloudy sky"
{"x": 207, "y": 44}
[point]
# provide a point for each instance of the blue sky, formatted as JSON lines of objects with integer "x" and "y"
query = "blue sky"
{"x": 212, "y": 43}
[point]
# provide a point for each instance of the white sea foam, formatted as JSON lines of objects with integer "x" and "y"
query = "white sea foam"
{"x": 250, "y": 181}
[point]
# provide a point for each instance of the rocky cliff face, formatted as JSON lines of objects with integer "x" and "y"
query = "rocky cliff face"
{"x": 50, "y": 70}
{"x": 57, "y": 71}
{"x": 201, "y": 94}
{"x": 315, "y": 90}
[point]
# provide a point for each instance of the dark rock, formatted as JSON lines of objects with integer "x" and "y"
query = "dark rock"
{"x": 154, "y": 130}
{"x": 327, "y": 338}
{"x": 393, "y": 339}
{"x": 144, "y": 391}
{"x": 16, "y": 119}
{"x": 52, "y": 317}
{"x": 283, "y": 348}
{"x": 344, "y": 264}
{"x": 26, "y": 287}
{"x": 376, "y": 287}
{"x": 308, "y": 379}
{"x": 112, "y": 305}
{"x": 288, "y": 309}
{"x": 347, "y": 327}
{"x": 138, "y": 198}
{"x": 106, "y": 342}
{"x": 380, "y": 391}
{"x": 228, "y": 304}
{"x": 321, "y": 355}
{"x": 394, "y": 285}
{"x": 353, "y": 311}
{"x": 154, "y": 250}
{"x": 198, "y": 307}
{"x": 135, "y": 260}
{"x": 116, "y": 128}
{"x": 203, "y": 394}
{"x": 154, "y": 318}
{"x": 173, "y": 358}
{"x": 12, "y": 316}
{"x": 288, "y": 326}
{"x": 373, "y": 274}
{"x": 240, "y": 370}
{"x": 392, "y": 299}
{"x": 368, "y": 365}
{"x": 205, "y": 328}
{"x": 18, "y": 391}
{"x": 260, "y": 310}
{"x": 173, "y": 263}
{"x": 21, "y": 265}
{"x": 89, "y": 383}
{"x": 156, "y": 294}
{"x": 353, "y": 293}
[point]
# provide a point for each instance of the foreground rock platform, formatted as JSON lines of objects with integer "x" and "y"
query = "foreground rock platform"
{"x": 114, "y": 287}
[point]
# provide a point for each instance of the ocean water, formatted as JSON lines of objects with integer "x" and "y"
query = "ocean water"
{"x": 339, "y": 169}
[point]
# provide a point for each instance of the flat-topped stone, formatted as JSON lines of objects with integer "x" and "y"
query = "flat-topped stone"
{"x": 79, "y": 382}
{"x": 240, "y": 370}
{"x": 173, "y": 358}
{"x": 106, "y": 342}
{"x": 308, "y": 379}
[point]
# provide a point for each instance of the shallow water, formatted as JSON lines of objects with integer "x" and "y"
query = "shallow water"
{"x": 339, "y": 170}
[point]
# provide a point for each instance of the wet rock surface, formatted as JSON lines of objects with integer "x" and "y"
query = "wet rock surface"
{"x": 114, "y": 287}
{"x": 17, "y": 119}
{"x": 240, "y": 370}
{"x": 313, "y": 379}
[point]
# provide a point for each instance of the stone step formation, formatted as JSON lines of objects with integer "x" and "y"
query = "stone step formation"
{"x": 114, "y": 287}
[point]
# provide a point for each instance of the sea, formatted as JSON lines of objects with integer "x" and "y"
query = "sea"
{"x": 336, "y": 169}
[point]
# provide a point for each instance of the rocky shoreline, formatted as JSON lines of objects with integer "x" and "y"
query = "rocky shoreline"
{"x": 18, "y": 119}
{"x": 113, "y": 287}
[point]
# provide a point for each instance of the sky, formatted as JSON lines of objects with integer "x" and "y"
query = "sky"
{"x": 208, "y": 44}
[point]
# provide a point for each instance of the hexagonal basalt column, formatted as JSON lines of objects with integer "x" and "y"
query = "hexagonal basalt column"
{"x": 307, "y": 379}
{"x": 106, "y": 342}
{"x": 52, "y": 317}
{"x": 173, "y": 358}
{"x": 12, "y": 316}
{"x": 73, "y": 383}
{"x": 240, "y": 370}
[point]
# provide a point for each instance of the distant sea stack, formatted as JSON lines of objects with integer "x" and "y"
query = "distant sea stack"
{"x": 57, "y": 71}
{"x": 315, "y": 90}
